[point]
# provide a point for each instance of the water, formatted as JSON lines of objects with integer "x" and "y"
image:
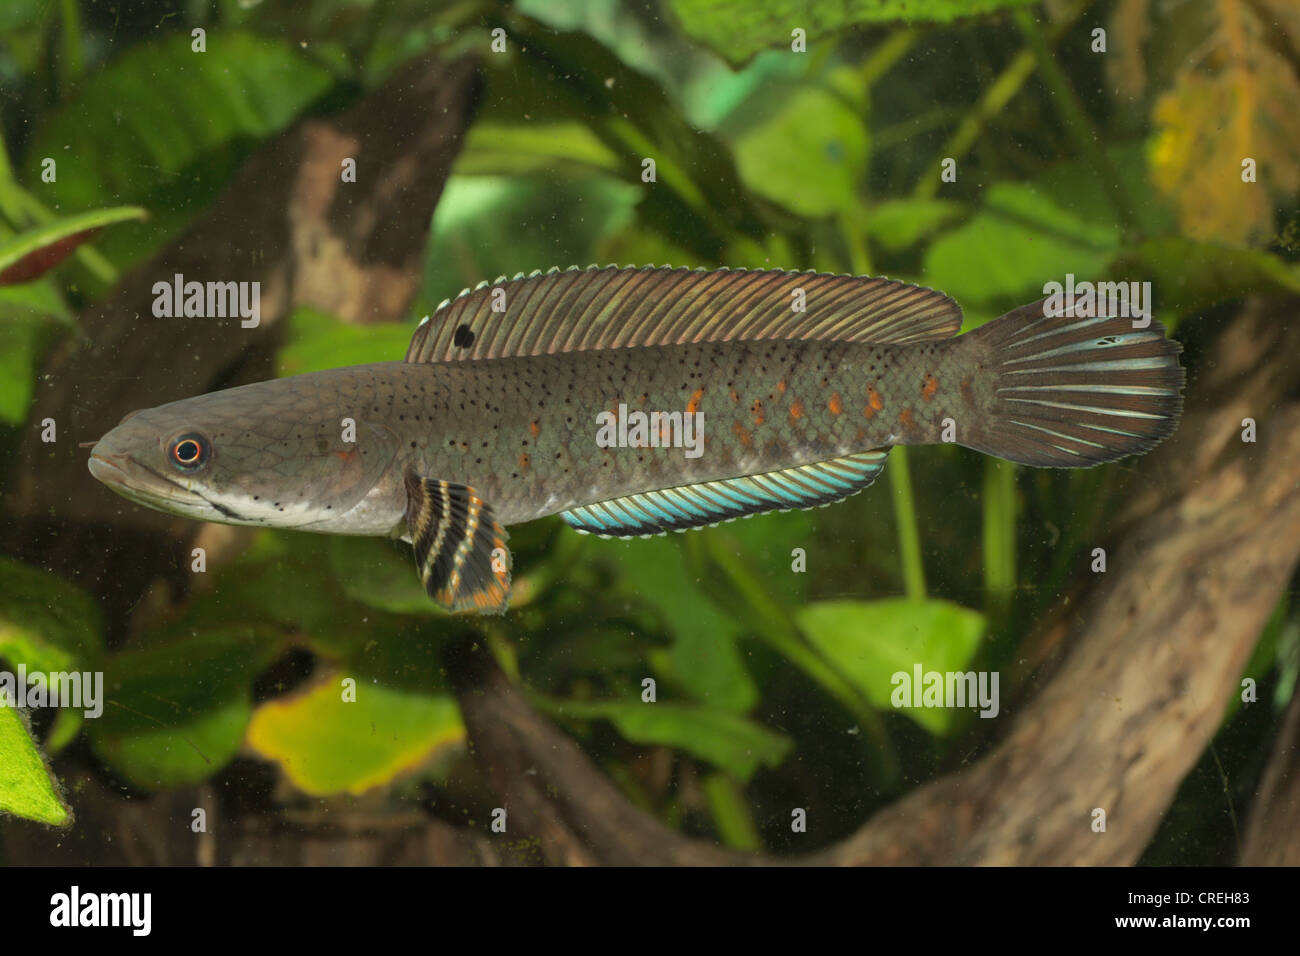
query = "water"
{"x": 1020, "y": 662}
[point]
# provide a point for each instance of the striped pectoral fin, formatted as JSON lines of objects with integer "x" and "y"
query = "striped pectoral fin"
{"x": 712, "y": 502}
{"x": 460, "y": 547}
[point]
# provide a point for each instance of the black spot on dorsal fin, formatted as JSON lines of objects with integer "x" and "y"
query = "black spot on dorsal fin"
{"x": 464, "y": 337}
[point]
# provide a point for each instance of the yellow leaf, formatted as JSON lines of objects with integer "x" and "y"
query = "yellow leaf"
{"x": 1233, "y": 101}
{"x": 327, "y": 744}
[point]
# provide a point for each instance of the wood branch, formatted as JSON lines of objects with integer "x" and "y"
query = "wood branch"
{"x": 1273, "y": 829}
{"x": 548, "y": 787}
{"x": 113, "y": 831}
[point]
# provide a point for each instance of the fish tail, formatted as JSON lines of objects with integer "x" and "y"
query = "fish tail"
{"x": 1074, "y": 391}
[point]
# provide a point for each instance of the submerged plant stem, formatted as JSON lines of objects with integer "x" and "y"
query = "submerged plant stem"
{"x": 909, "y": 538}
{"x": 999, "y": 534}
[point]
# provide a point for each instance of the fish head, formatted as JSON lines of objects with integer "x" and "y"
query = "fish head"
{"x": 252, "y": 455}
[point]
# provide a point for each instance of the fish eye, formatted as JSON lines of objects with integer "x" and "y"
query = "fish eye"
{"x": 189, "y": 452}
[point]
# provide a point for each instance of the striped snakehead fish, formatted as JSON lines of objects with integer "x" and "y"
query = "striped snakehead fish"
{"x": 635, "y": 401}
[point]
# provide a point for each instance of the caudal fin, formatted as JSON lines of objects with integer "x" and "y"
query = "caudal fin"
{"x": 1070, "y": 392}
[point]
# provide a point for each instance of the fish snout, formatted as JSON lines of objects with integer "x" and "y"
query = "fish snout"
{"x": 104, "y": 468}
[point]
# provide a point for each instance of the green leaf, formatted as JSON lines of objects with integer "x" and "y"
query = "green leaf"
{"x": 728, "y": 741}
{"x": 317, "y": 341}
{"x": 182, "y": 751}
{"x": 176, "y": 710}
{"x": 327, "y": 745}
{"x": 27, "y": 789}
{"x": 1019, "y": 240}
{"x": 47, "y": 623}
{"x": 737, "y": 29}
{"x": 166, "y": 128}
{"x": 809, "y": 154}
{"x": 566, "y": 148}
{"x": 899, "y": 223}
{"x": 382, "y": 574}
{"x": 704, "y": 659}
{"x": 25, "y": 337}
{"x": 33, "y": 300}
{"x": 871, "y": 641}
{"x": 32, "y": 253}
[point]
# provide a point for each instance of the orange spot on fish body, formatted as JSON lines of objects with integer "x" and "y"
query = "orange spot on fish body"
{"x": 905, "y": 418}
{"x": 796, "y": 411}
{"x": 735, "y": 397}
{"x": 930, "y": 387}
{"x": 835, "y": 405}
{"x": 780, "y": 386}
{"x": 693, "y": 405}
{"x": 757, "y": 412}
{"x": 967, "y": 395}
{"x": 523, "y": 461}
{"x": 534, "y": 428}
{"x": 743, "y": 435}
{"x": 873, "y": 396}
{"x": 347, "y": 454}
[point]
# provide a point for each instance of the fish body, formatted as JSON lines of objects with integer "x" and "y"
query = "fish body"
{"x": 634, "y": 401}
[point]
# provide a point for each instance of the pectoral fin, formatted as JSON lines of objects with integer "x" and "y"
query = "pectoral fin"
{"x": 460, "y": 547}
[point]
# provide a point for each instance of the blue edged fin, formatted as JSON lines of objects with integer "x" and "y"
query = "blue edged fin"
{"x": 712, "y": 502}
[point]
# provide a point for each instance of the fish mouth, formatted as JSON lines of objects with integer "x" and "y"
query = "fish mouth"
{"x": 104, "y": 469}
{"x": 144, "y": 486}
{"x": 138, "y": 483}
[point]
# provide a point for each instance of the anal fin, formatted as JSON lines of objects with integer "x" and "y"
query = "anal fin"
{"x": 460, "y": 547}
{"x": 713, "y": 502}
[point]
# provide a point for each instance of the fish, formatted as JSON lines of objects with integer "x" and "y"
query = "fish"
{"x": 635, "y": 401}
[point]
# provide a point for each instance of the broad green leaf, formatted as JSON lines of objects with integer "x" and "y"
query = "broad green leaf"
{"x": 808, "y": 153}
{"x": 317, "y": 341}
{"x": 382, "y": 574}
{"x": 737, "y": 29}
{"x": 47, "y": 623}
{"x": 899, "y": 223}
{"x": 871, "y": 641}
{"x": 33, "y": 300}
{"x": 704, "y": 659}
{"x": 165, "y": 127}
{"x": 327, "y": 745}
{"x": 181, "y": 751}
{"x": 1018, "y": 241}
{"x": 27, "y": 789}
{"x": 726, "y": 740}
{"x": 175, "y": 711}
{"x": 25, "y": 337}
{"x": 696, "y": 197}
{"x": 510, "y": 149}
{"x": 1188, "y": 276}
{"x": 286, "y": 581}
{"x": 32, "y": 253}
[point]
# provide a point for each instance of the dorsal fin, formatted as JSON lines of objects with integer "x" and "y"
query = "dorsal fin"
{"x": 608, "y": 307}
